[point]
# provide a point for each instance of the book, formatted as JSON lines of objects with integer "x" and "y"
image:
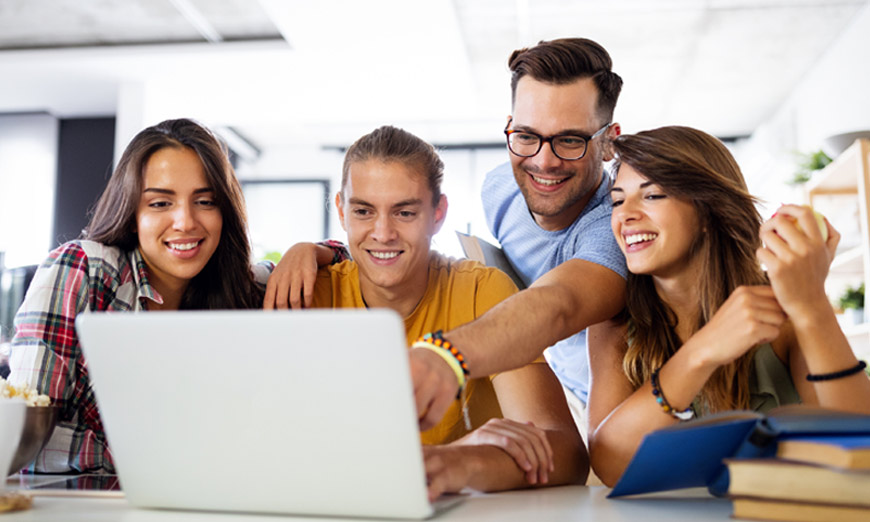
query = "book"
{"x": 841, "y": 451}
{"x": 488, "y": 254}
{"x": 691, "y": 454}
{"x": 798, "y": 482}
{"x": 766, "y": 509}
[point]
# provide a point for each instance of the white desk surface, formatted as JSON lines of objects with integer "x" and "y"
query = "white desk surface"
{"x": 574, "y": 503}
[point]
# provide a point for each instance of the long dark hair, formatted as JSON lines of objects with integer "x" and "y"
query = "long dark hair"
{"x": 226, "y": 281}
{"x": 695, "y": 167}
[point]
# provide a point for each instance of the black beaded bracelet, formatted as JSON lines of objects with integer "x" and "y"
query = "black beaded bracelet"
{"x": 837, "y": 375}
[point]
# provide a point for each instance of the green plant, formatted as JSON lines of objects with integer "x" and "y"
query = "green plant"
{"x": 273, "y": 256}
{"x": 852, "y": 298}
{"x": 807, "y": 163}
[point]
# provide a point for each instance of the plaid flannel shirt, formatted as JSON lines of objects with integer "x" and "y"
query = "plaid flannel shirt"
{"x": 78, "y": 277}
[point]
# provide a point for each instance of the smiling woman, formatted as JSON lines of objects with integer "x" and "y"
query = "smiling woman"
{"x": 705, "y": 328}
{"x": 169, "y": 232}
{"x": 178, "y": 223}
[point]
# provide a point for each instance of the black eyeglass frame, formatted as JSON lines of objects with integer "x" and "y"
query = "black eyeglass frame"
{"x": 543, "y": 139}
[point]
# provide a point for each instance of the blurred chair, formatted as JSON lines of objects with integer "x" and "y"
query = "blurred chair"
{"x": 13, "y": 287}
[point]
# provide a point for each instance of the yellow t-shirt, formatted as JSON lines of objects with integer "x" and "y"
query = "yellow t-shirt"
{"x": 458, "y": 292}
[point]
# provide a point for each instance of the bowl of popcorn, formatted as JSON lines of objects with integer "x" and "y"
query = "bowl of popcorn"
{"x": 34, "y": 430}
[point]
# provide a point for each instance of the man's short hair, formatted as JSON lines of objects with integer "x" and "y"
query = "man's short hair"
{"x": 564, "y": 61}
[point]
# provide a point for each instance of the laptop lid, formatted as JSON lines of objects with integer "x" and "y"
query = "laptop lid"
{"x": 304, "y": 412}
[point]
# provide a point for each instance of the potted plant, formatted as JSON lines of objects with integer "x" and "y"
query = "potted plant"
{"x": 809, "y": 163}
{"x": 852, "y": 302}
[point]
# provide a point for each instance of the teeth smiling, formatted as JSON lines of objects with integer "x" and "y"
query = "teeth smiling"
{"x": 547, "y": 182}
{"x": 384, "y": 255}
{"x": 637, "y": 238}
{"x": 183, "y": 246}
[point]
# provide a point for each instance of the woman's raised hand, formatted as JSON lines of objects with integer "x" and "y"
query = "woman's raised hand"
{"x": 797, "y": 257}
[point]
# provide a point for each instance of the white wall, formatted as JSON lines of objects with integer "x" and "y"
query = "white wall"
{"x": 302, "y": 162}
{"x": 464, "y": 170}
{"x": 28, "y": 173}
{"x": 832, "y": 98}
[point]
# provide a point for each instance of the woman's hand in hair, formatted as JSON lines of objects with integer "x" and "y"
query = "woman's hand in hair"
{"x": 798, "y": 257}
{"x": 291, "y": 284}
{"x": 749, "y": 317}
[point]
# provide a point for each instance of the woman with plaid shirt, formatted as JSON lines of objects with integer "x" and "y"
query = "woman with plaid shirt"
{"x": 168, "y": 233}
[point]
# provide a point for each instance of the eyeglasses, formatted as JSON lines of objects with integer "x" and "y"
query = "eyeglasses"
{"x": 568, "y": 147}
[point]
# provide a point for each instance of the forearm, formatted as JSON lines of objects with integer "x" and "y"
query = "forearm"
{"x": 616, "y": 439}
{"x": 493, "y": 469}
{"x": 825, "y": 350}
{"x": 519, "y": 329}
{"x": 513, "y": 333}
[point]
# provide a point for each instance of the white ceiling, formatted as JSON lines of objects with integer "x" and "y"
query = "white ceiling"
{"x": 325, "y": 72}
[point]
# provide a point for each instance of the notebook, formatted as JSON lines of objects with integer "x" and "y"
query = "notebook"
{"x": 304, "y": 412}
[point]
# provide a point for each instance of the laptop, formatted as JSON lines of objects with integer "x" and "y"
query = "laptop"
{"x": 304, "y": 412}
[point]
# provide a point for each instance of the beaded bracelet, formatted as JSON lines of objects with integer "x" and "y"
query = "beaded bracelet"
{"x": 436, "y": 343}
{"x": 837, "y": 375}
{"x": 659, "y": 395}
{"x": 437, "y": 338}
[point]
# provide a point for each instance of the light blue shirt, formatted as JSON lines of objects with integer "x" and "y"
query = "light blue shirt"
{"x": 534, "y": 251}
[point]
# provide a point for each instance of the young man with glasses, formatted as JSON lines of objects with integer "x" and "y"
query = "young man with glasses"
{"x": 549, "y": 209}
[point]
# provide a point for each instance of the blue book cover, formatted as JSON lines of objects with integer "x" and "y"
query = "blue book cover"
{"x": 690, "y": 454}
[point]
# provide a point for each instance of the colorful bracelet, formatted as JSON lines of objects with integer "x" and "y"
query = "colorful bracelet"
{"x": 659, "y": 395}
{"x": 339, "y": 251}
{"x": 837, "y": 375}
{"x": 448, "y": 358}
{"x": 436, "y": 343}
{"x": 437, "y": 338}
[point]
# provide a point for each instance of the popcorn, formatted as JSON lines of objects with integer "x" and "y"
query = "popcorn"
{"x": 23, "y": 393}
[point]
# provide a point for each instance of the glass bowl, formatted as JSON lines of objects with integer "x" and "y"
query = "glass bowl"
{"x": 39, "y": 423}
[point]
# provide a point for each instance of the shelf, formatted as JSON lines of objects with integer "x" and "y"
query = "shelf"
{"x": 840, "y": 190}
{"x": 859, "y": 339}
{"x": 856, "y": 330}
{"x": 840, "y": 176}
{"x": 848, "y": 263}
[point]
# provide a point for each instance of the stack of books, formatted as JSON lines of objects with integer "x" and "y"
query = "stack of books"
{"x": 812, "y": 478}
{"x": 694, "y": 453}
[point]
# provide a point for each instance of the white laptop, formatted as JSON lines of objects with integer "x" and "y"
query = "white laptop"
{"x": 307, "y": 412}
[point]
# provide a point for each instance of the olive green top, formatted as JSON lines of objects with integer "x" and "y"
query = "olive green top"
{"x": 770, "y": 383}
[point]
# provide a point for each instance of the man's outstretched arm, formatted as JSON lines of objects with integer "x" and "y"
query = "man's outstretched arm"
{"x": 564, "y": 301}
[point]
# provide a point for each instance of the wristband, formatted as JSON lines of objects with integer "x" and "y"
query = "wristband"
{"x": 448, "y": 358}
{"x": 436, "y": 342}
{"x": 837, "y": 375}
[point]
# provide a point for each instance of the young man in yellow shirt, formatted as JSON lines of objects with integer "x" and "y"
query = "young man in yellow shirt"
{"x": 521, "y": 432}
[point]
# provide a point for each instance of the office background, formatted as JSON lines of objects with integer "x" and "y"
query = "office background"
{"x": 290, "y": 84}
